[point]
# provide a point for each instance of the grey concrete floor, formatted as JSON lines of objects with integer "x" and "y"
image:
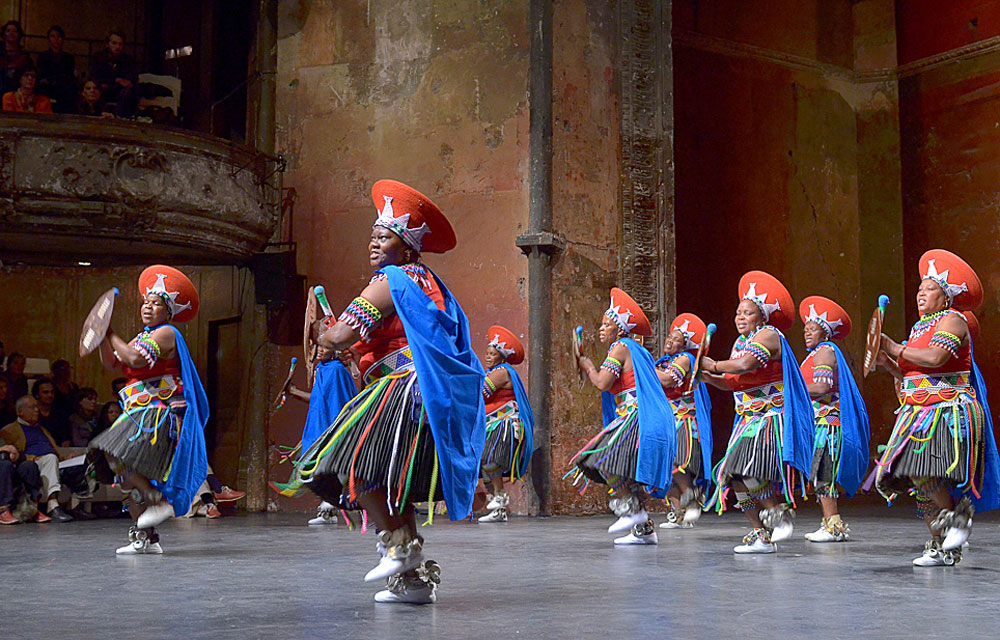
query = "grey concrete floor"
{"x": 271, "y": 576}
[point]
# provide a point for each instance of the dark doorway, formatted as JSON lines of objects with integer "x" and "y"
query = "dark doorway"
{"x": 225, "y": 377}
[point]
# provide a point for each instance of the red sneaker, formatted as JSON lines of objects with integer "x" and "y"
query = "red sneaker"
{"x": 41, "y": 517}
{"x": 212, "y": 511}
{"x": 7, "y": 518}
{"x": 228, "y": 495}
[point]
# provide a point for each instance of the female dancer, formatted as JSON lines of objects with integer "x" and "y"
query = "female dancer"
{"x": 417, "y": 430}
{"x": 772, "y": 433}
{"x": 942, "y": 445}
{"x": 509, "y": 421}
{"x": 157, "y": 446}
{"x": 840, "y": 445}
{"x": 693, "y": 415}
{"x": 634, "y": 453}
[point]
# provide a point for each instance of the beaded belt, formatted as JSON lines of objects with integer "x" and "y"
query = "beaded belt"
{"x": 626, "y": 401}
{"x": 507, "y": 411}
{"x": 764, "y": 400}
{"x": 145, "y": 391}
{"x": 683, "y": 406}
{"x": 826, "y": 404}
{"x": 935, "y": 388}
{"x": 398, "y": 360}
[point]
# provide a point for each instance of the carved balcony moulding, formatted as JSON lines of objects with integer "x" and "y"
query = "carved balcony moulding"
{"x": 75, "y": 189}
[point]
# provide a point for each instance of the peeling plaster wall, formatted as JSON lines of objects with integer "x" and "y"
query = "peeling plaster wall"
{"x": 432, "y": 93}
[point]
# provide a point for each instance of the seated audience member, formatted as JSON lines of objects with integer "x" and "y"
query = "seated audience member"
{"x": 210, "y": 494}
{"x": 117, "y": 385}
{"x": 106, "y": 417}
{"x": 90, "y": 102}
{"x": 18, "y": 473}
{"x": 24, "y": 99}
{"x": 57, "y": 72}
{"x": 116, "y": 75}
{"x": 66, "y": 389}
{"x": 7, "y": 414}
{"x": 45, "y": 392}
{"x": 83, "y": 422}
{"x": 35, "y": 443}
{"x": 13, "y": 58}
{"x": 16, "y": 379}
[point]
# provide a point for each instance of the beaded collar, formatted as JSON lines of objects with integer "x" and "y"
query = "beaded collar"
{"x": 613, "y": 345}
{"x": 741, "y": 342}
{"x": 927, "y": 322}
{"x": 666, "y": 359}
{"x": 417, "y": 272}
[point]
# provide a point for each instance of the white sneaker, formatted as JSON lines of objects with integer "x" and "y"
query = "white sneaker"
{"x": 499, "y": 501}
{"x": 627, "y": 521}
{"x": 933, "y": 556}
{"x": 139, "y": 547}
{"x": 389, "y": 566}
{"x": 155, "y": 515}
{"x": 631, "y": 538}
{"x": 756, "y": 542}
{"x": 675, "y": 522}
{"x": 823, "y": 534}
{"x": 323, "y": 517}
{"x": 956, "y": 537}
{"x": 497, "y": 515}
{"x": 779, "y": 521}
{"x": 408, "y": 590}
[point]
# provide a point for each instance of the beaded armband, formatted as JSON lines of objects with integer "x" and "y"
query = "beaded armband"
{"x": 362, "y": 316}
{"x": 676, "y": 372}
{"x": 147, "y": 348}
{"x": 612, "y": 365}
{"x": 947, "y": 341}
{"x": 823, "y": 373}
{"x": 488, "y": 388}
{"x": 758, "y": 351}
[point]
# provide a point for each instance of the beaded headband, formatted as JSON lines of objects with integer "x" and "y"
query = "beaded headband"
{"x": 496, "y": 343}
{"x": 400, "y": 226}
{"x": 761, "y": 301}
{"x": 829, "y": 326}
{"x": 621, "y": 318}
{"x": 941, "y": 278}
{"x": 683, "y": 328}
{"x": 169, "y": 297}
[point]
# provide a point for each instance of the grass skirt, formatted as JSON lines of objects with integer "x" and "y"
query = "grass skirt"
{"x": 688, "y": 458}
{"x": 142, "y": 439}
{"x": 827, "y": 446}
{"x": 380, "y": 439}
{"x": 614, "y": 452}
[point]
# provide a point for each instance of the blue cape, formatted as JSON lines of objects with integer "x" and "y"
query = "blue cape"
{"x": 854, "y": 454}
{"x": 332, "y": 389}
{"x": 703, "y": 418}
{"x": 657, "y": 431}
{"x": 450, "y": 378}
{"x": 799, "y": 423}
{"x": 527, "y": 419}
{"x": 990, "y": 491}
{"x": 190, "y": 465}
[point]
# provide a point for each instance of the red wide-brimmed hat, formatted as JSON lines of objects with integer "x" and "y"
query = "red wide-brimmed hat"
{"x": 692, "y": 327}
{"x": 413, "y": 217}
{"x": 176, "y": 289}
{"x": 771, "y": 296}
{"x": 827, "y": 314}
{"x": 504, "y": 341}
{"x": 973, "y": 322}
{"x": 627, "y": 314}
{"x": 955, "y": 276}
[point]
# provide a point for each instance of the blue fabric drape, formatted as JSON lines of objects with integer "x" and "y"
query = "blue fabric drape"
{"x": 527, "y": 419}
{"x": 333, "y": 387}
{"x": 854, "y": 427}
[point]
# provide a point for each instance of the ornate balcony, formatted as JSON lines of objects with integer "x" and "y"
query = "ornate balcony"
{"x": 105, "y": 192}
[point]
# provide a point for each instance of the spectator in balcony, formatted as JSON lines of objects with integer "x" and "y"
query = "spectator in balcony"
{"x": 83, "y": 422}
{"x": 7, "y": 414}
{"x": 66, "y": 389}
{"x": 57, "y": 72}
{"x": 25, "y": 100}
{"x": 17, "y": 473}
{"x": 48, "y": 415}
{"x": 13, "y": 58}
{"x": 91, "y": 103}
{"x": 35, "y": 443}
{"x": 116, "y": 75}
{"x": 16, "y": 380}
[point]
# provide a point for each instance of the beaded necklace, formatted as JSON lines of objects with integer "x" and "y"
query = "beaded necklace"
{"x": 926, "y": 323}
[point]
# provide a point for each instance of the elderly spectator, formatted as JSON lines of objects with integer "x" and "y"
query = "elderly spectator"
{"x": 35, "y": 443}
{"x": 57, "y": 72}
{"x": 66, "y": 389}
{"x": 116, "y": 75}
{"x": 45, "y": 392}
{"x": 16, "y": 379}
{"x": 91, "y": 103}
{"x": 107, "y": 415}
{"x": 7, "y": 414}
{"x": 18, "y": 472}
{"x": 83, "y": 422}
{"x": 25, "y": 100}
{"x": 13, "y": 58}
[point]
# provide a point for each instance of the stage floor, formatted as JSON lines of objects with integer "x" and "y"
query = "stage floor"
{"x": 271, "y": 576}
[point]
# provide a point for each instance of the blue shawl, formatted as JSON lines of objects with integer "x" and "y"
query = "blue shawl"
{"x": 703, "y": 418}
{"x": 989, "y": 498}
{"x": 657, "y": 431}
{"x": 853, "y": 426}
{"x": 799, "y": 423}
{"x": 190, "y": 464}
{"x": 527, "y": 419}
{"x": 332, "y": 389}
{"x": 450, "y": 378}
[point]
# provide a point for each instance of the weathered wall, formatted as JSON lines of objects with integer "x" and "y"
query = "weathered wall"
{"x": 432, "y": 93}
